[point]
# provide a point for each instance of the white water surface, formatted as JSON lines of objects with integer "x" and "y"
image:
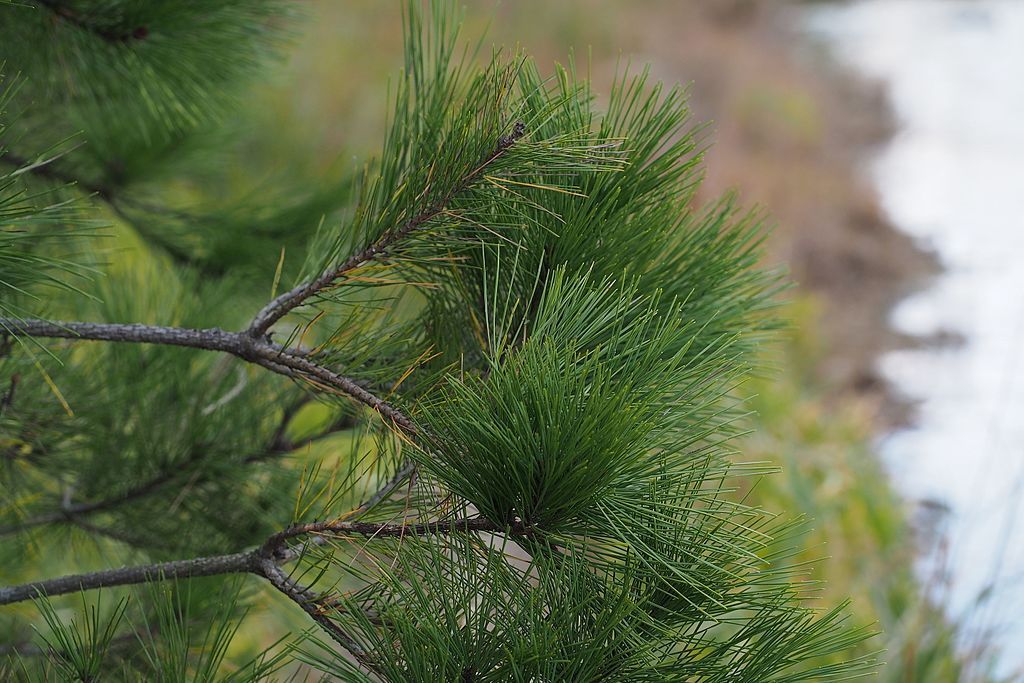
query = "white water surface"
{"x": 953, "y": 179}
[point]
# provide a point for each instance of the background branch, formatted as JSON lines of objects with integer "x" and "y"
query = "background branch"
{"x": 278, "y": 445}
{"x": 111, "y": 195}
{"x": 45, "y": 169}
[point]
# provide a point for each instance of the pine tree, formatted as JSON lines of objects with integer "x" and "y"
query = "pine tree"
{"x": 475, "y": 425}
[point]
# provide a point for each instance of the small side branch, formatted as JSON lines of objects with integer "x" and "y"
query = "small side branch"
{"x": 316, "y": 606}
{"x": 292, "y": 299}
{"x": 275, "y": 544}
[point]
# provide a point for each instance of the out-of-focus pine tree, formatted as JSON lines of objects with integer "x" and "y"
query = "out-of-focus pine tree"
{"x": 461, "y": 413}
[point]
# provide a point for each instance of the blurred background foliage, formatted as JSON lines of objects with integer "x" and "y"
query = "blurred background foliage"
{"x": 788, "y": 129}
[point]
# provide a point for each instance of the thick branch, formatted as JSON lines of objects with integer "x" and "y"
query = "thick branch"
{"x": 292, "y": 299}
{"x": 242, "y": 345}
{"x": 263, "y": 561}
{"x": 210, "y": 339}
{"x": 251, "y": 562}
{"x": 272, "y": 357}
{"x": 238, "y": 563}
{"x": 316, "y": 606}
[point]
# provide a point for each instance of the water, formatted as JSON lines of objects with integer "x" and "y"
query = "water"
{"x": 953, "y": 178}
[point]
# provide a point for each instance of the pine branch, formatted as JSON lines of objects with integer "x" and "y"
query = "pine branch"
{"x": 210, "y": 339}
{"x": 74, "y": 512}
{"x": 116, "y": 535}
{"x": 237, "y": 563}
{"x": 38, "y": 520}
{"x": 290, "y": 300}
{"x": 241, "y": 344}
{"x": 280, "y": 445}
{"x": 271, "y": 357}
{"x": 316, "y": 606}
{"x": 252, "y": 561}
{"x": 263, "y": 561}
